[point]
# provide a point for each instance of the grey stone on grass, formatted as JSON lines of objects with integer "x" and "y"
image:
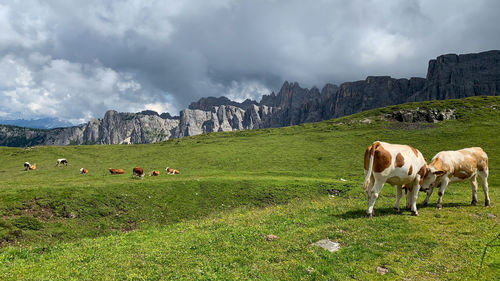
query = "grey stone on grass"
{"x": 328, "y": 245}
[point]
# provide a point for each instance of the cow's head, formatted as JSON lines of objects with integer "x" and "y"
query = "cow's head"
{"x": 432, "y": 178}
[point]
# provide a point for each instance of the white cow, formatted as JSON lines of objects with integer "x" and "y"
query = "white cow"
{"x": 452, "y": 166}
{"x": 397, "y": 165}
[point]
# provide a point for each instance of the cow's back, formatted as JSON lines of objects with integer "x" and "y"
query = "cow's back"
{"x": 461, "y": 164}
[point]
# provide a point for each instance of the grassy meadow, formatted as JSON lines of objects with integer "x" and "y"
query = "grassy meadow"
{"x": 300, "y": 183}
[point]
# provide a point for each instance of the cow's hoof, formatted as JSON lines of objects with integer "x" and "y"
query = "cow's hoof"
{"x": 415, "y": 214}
{"x": 487, "y": 203}
{"x": 369, "y": 215}
{"x": 396, "y": 210}
{"x": 473, "y": 203}
{"x": 439, "y": 206}
{"x": 425, "y": 204}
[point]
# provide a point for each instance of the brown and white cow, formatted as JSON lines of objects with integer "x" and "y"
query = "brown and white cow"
{"x": 138, "y": 172}
{"x": 154, "y": 173}
{"x": 397, "y": 165}
{"x": 452, "y": 166}
{"x": 171, "y": 171}
{"x": 116, "y": 171}
{"x": 83, "y": 171}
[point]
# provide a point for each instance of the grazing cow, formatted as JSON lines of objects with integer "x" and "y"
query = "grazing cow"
{"x": 83, "y": 171}
{"x": 138, "y": 172}
{"x": 171, "y": 171}
{"x": 452, "y": 166}
{"x": 62, "y": 161}
{"x": 116, "y": 171}
{"x": 28, "y": 166}
{"x": 154, "y": 173}
{"x": 397, "y": 165}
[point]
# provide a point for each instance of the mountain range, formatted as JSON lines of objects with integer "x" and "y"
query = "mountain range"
{"x": 449, "y": 76}
{"x": 41, "y": 123}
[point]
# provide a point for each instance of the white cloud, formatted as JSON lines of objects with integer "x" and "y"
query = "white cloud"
{"x": 55, "y": 87}
{"x": 158, "y": 107}
{"x": 240, "y": 91}
{"x": 382, "y": 47}
{"x": 20, "y": 28}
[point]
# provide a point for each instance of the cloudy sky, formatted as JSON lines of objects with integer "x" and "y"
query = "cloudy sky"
{"x": 77, "y": 59}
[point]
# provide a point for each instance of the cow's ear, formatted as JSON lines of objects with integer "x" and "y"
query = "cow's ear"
{"x": 439, "y": 173}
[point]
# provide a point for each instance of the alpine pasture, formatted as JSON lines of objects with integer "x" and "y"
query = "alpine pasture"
{"x": 300, "y": 183}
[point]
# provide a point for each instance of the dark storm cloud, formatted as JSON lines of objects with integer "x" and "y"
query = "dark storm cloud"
{"x": 75, "y": 60}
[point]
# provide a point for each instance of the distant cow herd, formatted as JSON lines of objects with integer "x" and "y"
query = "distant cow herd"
{"x": 136, "y": 171}
{"x": 405, "y": 167}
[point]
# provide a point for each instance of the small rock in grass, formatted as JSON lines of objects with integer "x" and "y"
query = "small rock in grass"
{"x": 271, "y": 237}
{"x": 343, "y": 179}
{"x": 490, "y": 215}
{"x": 382, "y": 270}
{"x": 327, "y": 245}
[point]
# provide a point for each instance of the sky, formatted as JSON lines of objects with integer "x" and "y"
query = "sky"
{"x": 77, "y": 59}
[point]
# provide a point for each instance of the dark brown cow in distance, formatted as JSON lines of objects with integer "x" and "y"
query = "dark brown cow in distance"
{"x": 394, "y": 164}
{"x": 138, "y": 172}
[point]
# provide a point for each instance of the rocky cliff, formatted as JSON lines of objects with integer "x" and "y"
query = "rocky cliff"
{"x": 458, "y": 76}
{"x": 449, "y": 76}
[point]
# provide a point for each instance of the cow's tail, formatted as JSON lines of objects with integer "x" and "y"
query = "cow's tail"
{"x": 370, "y": 168}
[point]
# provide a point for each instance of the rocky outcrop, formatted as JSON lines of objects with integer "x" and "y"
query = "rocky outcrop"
{"x": 430, "y": 115}
{"x": 449, "y": 76}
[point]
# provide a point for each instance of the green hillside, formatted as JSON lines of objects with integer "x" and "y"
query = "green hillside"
{"x": 300, "y": 183}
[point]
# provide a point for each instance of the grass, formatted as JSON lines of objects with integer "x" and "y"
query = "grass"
{"x": 209, "y": 222}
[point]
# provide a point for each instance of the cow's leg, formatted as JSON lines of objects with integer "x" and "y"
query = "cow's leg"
{"x": 442, "y": 187}
{"x": 429, "y": 193}
{"x": 484, "y": 184}
{"x": 473, "y": 186}
{"x": 375, "y": 190}
{"x": 399, "y": 194}
{"x": 407, "y": 197}
{"x": 413, "y": 195}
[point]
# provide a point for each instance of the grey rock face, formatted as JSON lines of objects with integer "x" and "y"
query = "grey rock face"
{"x": 115, "y": 128}
{"x": 375, "y": 91}
{"x": 458, "y": 76}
